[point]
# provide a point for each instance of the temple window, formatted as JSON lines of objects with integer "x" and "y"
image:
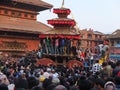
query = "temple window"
{"x": 26, "y": 15}
{"x": 96, "y": 36}
{"x": 6, "y": 12}
{"x": 32, "y": 16}
{"x": 13, "y": 13}
{"x": 112, "y": 43}
{"x": 91, "y": 43}
{"x": 95, "y": 43}
{"x": 118, "y": 42}
{"x": 19, "y": 14}
{"x": 87, "y": 43}
{"x": 89, "y": 36}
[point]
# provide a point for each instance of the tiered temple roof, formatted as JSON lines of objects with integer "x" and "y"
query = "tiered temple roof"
{"x": 62, "y": 24}
{"x": 22, "y": 25}
{"x": 14, "y": 23}
{"x": 37, "y": 5}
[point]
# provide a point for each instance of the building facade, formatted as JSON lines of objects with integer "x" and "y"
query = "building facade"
{"x": 114, "y": 40}
{"x": 90, "y": 38}
{"x": 19, "y": 29}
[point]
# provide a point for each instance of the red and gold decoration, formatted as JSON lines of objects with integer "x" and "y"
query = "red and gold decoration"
{"x": 61, "y": 11}
{"x": 43, "y": 36}
{"x": 45, "y": 62}
{"x": 62, "y": 22}
{"x": 74, "y": 63}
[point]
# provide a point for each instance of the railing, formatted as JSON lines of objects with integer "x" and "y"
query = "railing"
{"x": 114, "y": 57}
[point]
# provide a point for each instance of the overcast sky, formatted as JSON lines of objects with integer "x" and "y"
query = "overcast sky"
{"x": 100, "y": 15}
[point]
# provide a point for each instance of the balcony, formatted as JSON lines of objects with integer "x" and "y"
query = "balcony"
{"x": 13, "y": 46}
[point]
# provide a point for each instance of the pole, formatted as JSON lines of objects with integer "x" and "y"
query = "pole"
{"x": 63, "y": 4}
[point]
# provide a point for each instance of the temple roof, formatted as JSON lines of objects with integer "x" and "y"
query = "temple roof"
{"x": 35, "y": 3}
{"x": 97, "y": 32}
{"x": 22, "y": 25}
{"x": 115, "y": 34}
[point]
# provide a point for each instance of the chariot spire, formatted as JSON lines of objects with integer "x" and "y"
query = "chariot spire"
{"x": 63, "y": 4}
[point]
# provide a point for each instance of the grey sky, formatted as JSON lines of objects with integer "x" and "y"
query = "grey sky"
{"x": 100, "y": 15}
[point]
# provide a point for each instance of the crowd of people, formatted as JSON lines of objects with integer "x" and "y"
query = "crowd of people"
{"x": 24, "y": 75}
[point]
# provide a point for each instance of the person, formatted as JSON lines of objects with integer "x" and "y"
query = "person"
{"x": 4, "y": 79}
{"x": 51, "y": 87}
{"x": 117, "y": 82}
{"x": 32, "y": 82}
{"x": 116, "y": 69}
{"x": 3, "y": 86}
{"x": 57, "y": 46}
{"x": 74, "y": 88}
{"x": 39, "y": 53}
{"x": 109, "y": 69}
{"x": 73, "y": 47}
{"x": 68, "y": 45}
{"x": 83, "y": 83}
{"x": 44, "y": 46}
{"x": 62, "y": 46}
{"x": 36, "y": 88}
{"x": 52, "y": 45}
{"x": 103, "y": 71}
{"x": 109, "y": 86}
{"x": 99, "y": 83}
{"x": 96, "y": 67}
{"x": 21, "y": 82}
{"x": 60, "y": 87}
{"x": 78, "y": 50}
{"x": 91, "y": 59}
{"x": 48, "y": 45}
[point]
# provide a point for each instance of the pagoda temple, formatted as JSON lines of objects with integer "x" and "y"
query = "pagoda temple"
{"x": 19, "y": 29}
{"x": 61, "y": 42}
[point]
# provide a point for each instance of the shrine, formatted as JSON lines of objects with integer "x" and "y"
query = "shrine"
{"x": 19, "y": 29}
{"x": 60, "y": 43}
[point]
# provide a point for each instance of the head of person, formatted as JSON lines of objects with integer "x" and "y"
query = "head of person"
{"x": 117, "y": 80}
{"x": 104, "y": 64}
{"x": 74, "y": 88}
{"x": 4, "y": 79}
{"x": 118, "y": 63}
{"x": 32, "y": 82}
{"x": 96, "y": 61}
{"x": 99, "y": 82}
{"x": 51, "y": 87}
{"x": 36, "y": 88}
{"x": 60, "y": 87}
{"x": 3, "y": 86}
{"x": 20, "y": 83}
{"x": 109, "y": 86}
{"x": 84, "y": 84}
{"x": 20, "y": 89}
